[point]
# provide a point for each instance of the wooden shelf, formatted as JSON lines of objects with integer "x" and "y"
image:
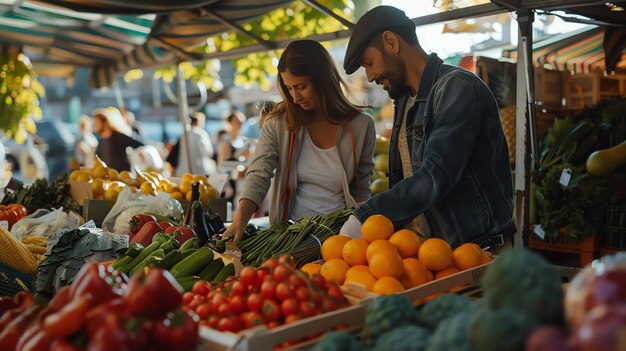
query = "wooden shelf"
{"x": 583, "y": 90}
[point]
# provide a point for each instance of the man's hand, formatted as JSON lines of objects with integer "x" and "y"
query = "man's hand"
{"x": 351, "y": 228}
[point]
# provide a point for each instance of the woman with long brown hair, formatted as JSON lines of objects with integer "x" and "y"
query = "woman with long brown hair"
{"x": 316, "y": 144}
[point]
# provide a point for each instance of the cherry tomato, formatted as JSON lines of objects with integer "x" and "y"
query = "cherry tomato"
{"x": 286, "y": 259}
{"x": 197, "y": 301}
{"x": 317, "y": 297}
{"x": 334, "y": 292}
{"x": 318, "y": 281}
{"x": 237, "y": 304}
{"x": 230, "y": 324}
{"x": 238, "y": 289}
{"x": 281, "y": 273}
{"x": 203, "y": 310}
{"x": 303, "y": 294}
{"x": 252, "y": 319}
{"x": 224, "y": 310}
{"x": 188, "y": 297}
{"x": 261, "y": 274}
{"x": 201, "y": 288}
{"x": 270, "y": 264}
{"x": 271, "y": 310}
{"x": 249, "y": 277}
{"x": 329, "y": 305}
{"x": 268, "y": 289}
{"x": 292, "y": 318}
{"x": 283, "y": 291}
{"x": 296, "y": 281}
{"x": 307, "y": 309}
{"x": 213, "y": 321}
{"x": 290, "y": 306}
{"x": 255, "y": 302}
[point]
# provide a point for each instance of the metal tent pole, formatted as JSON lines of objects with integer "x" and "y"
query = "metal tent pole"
{"x": 525, "y": 122}
{"x": 183, "y": 113}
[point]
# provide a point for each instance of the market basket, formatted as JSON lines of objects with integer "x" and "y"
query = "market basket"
{"x": 13, "y": 281}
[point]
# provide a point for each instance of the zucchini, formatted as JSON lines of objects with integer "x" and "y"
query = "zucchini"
{"x": 225, "y": 272}
{"x": 193, "y": 264}
{"x": 120, "y": 262}
{"x": 142, "y": 256}
{"x": 187, "y": 282}
{"x": 169, "y": 260}
{"x": 189, "y": 244}
{"x": 157, "y": 253}
{"x": 210, "y": 272}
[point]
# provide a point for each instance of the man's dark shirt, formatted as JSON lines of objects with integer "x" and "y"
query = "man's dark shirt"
{"x": 113, "y": 150}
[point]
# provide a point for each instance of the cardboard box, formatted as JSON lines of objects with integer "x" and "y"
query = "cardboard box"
{"x": 95, "y": 210}
{"x": 80, "y": 191}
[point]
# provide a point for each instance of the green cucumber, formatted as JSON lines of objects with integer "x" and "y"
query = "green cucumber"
{"x": 193, "y": 264}
{"x": 189, "y": 244}
{"x": 211, "y": 270}
{"x": 142, "y": 256}
{"x": 157, "y": 253}
{"x": 169, "y": 260}
{"x": 187, "y": 283}
{"x": 120, "y": 262}
{"x": 225, "y": 272}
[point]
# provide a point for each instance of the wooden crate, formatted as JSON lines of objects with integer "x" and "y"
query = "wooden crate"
{"x": 549, "y": 85}
{"x": 588, "y": 89}
{"x": 262, "y": 339}
{"x": 586, "y": 248}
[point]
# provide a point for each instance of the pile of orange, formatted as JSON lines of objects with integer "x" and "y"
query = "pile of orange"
{"x": 387, "y": 262}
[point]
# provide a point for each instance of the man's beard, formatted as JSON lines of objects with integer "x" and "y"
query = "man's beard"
{"x": 395, "y": 73}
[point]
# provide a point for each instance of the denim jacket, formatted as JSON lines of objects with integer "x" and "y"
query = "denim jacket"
{"x": 461, "y": 178}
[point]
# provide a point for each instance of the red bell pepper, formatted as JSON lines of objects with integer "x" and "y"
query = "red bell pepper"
{"x": 184, "y": 233}
{"x": 145, "y": 234}
{"x": 10, "y": 336}
{"x": 100, "y": 284}
{"x": 6, "y": 303}
{"x": 38, "y": 342}
{"x": 111, "y": 336}
{"x": 61, "y": 298}
{"x": 153, "y": 293}
{"x": 138, "y": 221}
{"x": 68, "y": 320}
{"x": 177, "y": 331}
{"x": 96, "y": 317}
{"x": 62, "y": 345}
{"x": 164, "y": 224}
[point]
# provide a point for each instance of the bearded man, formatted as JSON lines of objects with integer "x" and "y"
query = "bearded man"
{"x": 449, "y": 172}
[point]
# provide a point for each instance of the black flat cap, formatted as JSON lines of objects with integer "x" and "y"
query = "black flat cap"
{"x": 373, "y": 22}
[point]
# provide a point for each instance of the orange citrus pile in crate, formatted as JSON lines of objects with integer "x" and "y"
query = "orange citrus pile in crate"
{"x": 387, "y": 261}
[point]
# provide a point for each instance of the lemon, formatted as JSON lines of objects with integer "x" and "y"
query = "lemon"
{"x": 148, "y": 188}
{"x": 111, "y": 195}
{"x": 113, "y": 175}
{"x": 187, "y": 177}
{"x": 99, "y": 172}
{"x": 185, "y": 187}
{"x": 125, "y": 175}
{"x": 213, "y": 193}
{"x": 177, "y": 195}
{"x": 157, "y": 176}
{"x": 75, "y": 175}
{"x": 129, "y": 181}
{"x": 98, "y": 187}
{"x": 83, "y": 177}
{"x": 168, "y": 186}
{"x": 199, "y": 179}
{"x": 188, "y": 196}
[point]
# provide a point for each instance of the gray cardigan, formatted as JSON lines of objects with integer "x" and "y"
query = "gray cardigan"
{"x": 272, "y": 152}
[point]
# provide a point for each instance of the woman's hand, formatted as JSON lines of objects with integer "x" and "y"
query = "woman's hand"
{"x": 240, "y": 221}
{"x": 235, "y": 232}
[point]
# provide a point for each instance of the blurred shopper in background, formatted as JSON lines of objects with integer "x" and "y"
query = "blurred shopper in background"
{"x": 200, "y": 150}
{"x": 86, "y": 144}
{"x": 316, "y": 143}
{"x": 114, "y": 138}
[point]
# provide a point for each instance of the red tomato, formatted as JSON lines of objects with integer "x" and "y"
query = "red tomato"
{"x": 307, "y": 309}
{"x": 213, "y": 321}
{"x": 318, "y": 281}
{"x": 283, "y": 291}
{"x": 317, "y": 297}
{"x": 281, "y": 273}
{"x": 255, "y": 302}
{"x": 261, "y": 274}
{"x": 230, "y": 324}
{"x": 188, "y": 297}
{"x": 252, "y": 319}
{"x": 286, "y": 259}
{"x": 249, "y": 277}
{"x": 237, "y": 304}
{"x": 218, "y": 300}
{"x": 223, "y": 310}
{"x": 201, "y": 288}
{"x": 197, "y": 301}
{"x": 296, "y": 281}
{"x": 329, "y": 305}
{"x": 303, "y": 294}
{"x": 238, "y": 289}
{"x": 272, "y": 325}
{"x": 292, "y": 318}
{"x": 203, "y": 310}
{"x": 271, "y": 311}
{"x": 270, "y": 264}
{"x": 11, "y": 217}
{"x": 3, "y": 216}
{"x": 290, "y": 306}
{"x": 334, "y": 292}
{"x": 268, "y": 289}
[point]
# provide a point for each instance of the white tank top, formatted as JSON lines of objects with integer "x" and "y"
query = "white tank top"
{"x": 320, "y": 176}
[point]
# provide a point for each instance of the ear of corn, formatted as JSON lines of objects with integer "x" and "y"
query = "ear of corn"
{"x": 15, "y": 254}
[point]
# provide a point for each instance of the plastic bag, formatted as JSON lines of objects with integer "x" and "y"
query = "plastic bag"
{"x": 129, "y": 204}
{"x": 45, "y": 223}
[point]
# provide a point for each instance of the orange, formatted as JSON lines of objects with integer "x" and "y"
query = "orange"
{"x": 357, "y": 268}
{"x": 376, "y": 227}
{"x": 387, "y": 286}
{"x": 435, "y": 254}
{"x": 486, "y": 257}
{"x": 311, "y": 268}
{"x": 446, "y": 272}
{"x": 415, "y": 274}
{"x": 334, "y": 270}
{"x": 362, "y": 278}
{"x": 406, "y": 242}
{"x": 467, "y": 256}
{"x": 379, "y": 246}
{"x": 354, "y": 252}
{"x": 333, "y": 246}
{"x": 386, "y": 264}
